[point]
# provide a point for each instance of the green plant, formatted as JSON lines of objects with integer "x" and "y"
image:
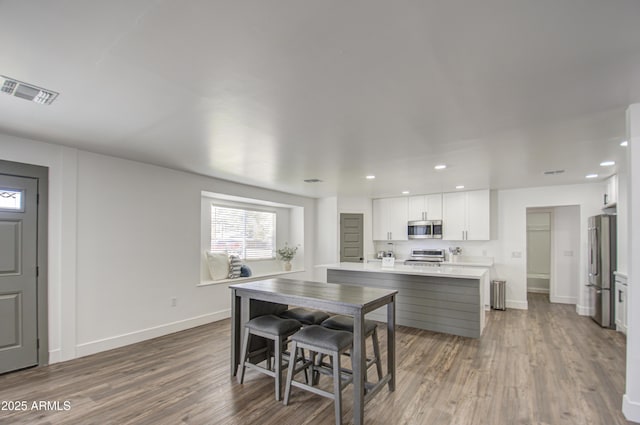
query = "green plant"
{"x": 286, "y": 253}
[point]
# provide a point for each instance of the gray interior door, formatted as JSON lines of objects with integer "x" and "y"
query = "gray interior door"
{"x": 351, "y": 238}
{"x": 18, "y": 273}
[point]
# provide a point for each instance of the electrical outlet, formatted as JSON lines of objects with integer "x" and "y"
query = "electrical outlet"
{"x": 516, "y": 254}
{"x": 568, "y": 253}
{"x": 174, "y": 302}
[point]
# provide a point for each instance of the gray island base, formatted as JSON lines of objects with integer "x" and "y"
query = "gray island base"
{"x": 439, "y": 302}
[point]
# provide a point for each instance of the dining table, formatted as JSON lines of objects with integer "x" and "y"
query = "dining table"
{"x": 254, "y": 298}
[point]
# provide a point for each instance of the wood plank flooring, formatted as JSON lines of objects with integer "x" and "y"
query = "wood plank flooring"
{"x": 546, "y": 365}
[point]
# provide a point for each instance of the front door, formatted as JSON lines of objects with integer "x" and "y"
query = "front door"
{"x": 351, "y": 238}
{"x": 18, "y": 272}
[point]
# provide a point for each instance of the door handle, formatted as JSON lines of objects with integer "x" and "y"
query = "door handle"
{"x": 619, "y": 296}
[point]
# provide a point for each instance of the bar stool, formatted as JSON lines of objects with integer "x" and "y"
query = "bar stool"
{"x": 345, "y": 323}
{"x": 305, "y": 316}
{"x": 324, "y": 341}
{"x": 273, "y": 328}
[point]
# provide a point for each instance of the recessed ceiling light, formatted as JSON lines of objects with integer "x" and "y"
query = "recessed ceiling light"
{"x": 624, "y": 143}
{"x": 460, "y": 186}
{"x": 26, "y": 91}
{"x": 440, "y": 166}
{"x": 370, "y": 177}
{"x": 607, "y": 163}
{"x": 591, "y": 176}
{"x": 405, "y": 192}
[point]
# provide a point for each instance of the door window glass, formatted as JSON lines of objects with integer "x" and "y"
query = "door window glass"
{"x": 11, "y": 199}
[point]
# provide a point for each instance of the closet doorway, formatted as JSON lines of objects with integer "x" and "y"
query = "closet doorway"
{"x": 553, "y": 244}
{"x": 539, "y": 225}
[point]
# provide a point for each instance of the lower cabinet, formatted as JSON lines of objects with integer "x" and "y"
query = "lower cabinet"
{"x": 621, "y": 303}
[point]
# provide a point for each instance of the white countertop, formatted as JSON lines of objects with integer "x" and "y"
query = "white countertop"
{"x": 461, "y": 261}
{"x": 469, "y": 263}
{"x": 443, "y": 271}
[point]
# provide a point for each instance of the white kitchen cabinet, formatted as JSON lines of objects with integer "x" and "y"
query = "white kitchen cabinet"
{"x": 466, "y": 216}
{"x": 610, "y": 198}
{"x": 390, "y": 219}
{"x": 425, "y": 207}
{"x": 621, "y": 303}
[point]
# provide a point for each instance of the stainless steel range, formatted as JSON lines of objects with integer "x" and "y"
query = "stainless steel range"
{"x": 426, "y": 257}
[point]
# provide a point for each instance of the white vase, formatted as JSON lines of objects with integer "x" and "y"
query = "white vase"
{"x": 287, "y": 266}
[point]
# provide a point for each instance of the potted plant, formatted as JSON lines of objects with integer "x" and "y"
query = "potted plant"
{"x": 286, "y": 254}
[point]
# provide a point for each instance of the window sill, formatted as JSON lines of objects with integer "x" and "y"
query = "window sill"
{"x": 247, "y": 279}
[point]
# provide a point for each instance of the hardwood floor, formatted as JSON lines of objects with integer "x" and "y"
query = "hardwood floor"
{"x": 546, "y": 365}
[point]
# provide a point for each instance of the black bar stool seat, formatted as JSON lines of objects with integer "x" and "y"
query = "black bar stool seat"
{"x": 345, "y": 323}
{"x": 306, "y": 316}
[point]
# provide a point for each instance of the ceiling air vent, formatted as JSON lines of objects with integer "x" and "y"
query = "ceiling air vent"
{"x": 312, "y": 180}
{"x": 27, "y": 91}
{"x": 553, "y": 172}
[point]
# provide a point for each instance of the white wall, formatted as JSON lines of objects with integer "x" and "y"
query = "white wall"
{"x": 513, "y": 204}
{"x": 566, "y": 239}
{"x": 125, "y": 239}
{"x": 631, "y": 399}
{"x": 327, "y": 229}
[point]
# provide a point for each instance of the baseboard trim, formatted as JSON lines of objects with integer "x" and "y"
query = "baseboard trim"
{"x": 518, "y": 305}
{"x": 562, "y": 300}
{"x": 630, "y": 409}
{"x": 118, "y": 341}
{"x": 538, "y": 290}
{"x": 55, "y": 356}
{"x": 583, "y": 310}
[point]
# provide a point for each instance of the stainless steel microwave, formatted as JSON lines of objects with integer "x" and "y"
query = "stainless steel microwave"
{"x": 425, "y": 229}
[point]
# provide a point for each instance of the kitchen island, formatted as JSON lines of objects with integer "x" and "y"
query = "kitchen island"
{"x": 444, "y": 299}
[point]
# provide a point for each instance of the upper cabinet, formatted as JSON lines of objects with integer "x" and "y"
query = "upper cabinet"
{"x": 390, "y": 219}
{"x": 425, "y": 207}
{"x": 611, "y": 193}
{"x": 466, "y": 216}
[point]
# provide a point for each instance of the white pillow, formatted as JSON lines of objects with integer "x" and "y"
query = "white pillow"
{"x": 218, "y": 265}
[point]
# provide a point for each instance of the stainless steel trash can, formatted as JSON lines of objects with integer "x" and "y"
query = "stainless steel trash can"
{"x": 498, "y": 294}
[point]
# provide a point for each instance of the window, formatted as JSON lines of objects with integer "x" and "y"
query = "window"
{"x": 248, "y": 233}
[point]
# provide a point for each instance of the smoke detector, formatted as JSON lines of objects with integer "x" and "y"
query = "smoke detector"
{"x": 27, "y": 91}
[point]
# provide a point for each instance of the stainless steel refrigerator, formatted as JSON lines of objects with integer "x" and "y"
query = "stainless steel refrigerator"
{"x": 602, "y": 264}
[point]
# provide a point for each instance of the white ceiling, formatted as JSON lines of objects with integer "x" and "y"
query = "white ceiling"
{"x": 272, "y": 92}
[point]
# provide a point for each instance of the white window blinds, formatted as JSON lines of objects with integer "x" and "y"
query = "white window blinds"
{"x": 248, "y": 233}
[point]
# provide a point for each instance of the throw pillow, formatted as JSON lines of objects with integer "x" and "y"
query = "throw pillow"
{"x": 235, "y": 264}
{"x": 245, "y": 271}
{"x": 218, "y": 265}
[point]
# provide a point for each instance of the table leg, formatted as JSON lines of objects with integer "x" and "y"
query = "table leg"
{"x": 391, "y": 343}
{"x": 235, "y": 332}
{"x": 359, "y": 364}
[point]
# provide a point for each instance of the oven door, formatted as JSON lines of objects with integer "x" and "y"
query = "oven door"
{"x": 420, "y": 230}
